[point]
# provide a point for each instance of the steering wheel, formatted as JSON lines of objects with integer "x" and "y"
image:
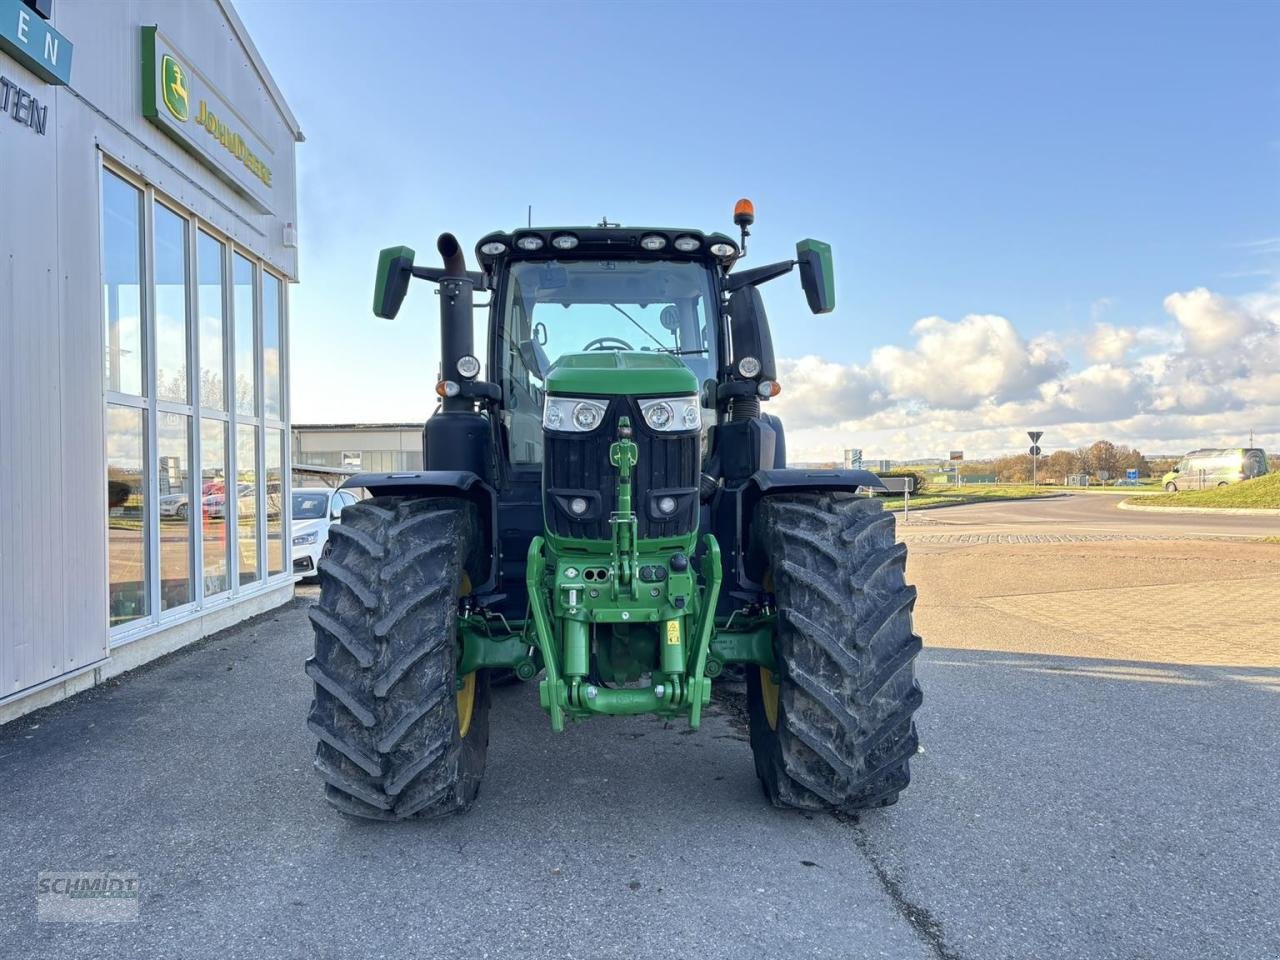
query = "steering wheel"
{"x": 608, "y": 343}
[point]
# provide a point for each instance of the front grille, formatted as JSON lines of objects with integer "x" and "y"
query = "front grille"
{"x": 578, "y": 464}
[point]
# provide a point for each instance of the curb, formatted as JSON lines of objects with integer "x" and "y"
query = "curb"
{"x": 969, "y": 503}
{"x": 1219, "y": 511}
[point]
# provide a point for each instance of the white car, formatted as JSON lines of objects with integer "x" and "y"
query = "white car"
{"x": 315, "y": 509}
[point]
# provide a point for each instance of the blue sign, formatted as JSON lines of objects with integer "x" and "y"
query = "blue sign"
{"x": 33, "y": 43}
{"x": 1131, "y": 474}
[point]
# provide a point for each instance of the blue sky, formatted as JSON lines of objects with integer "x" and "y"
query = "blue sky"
{"x": 1050, "y": 166}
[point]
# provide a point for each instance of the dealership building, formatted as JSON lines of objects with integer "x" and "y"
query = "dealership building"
{"x": 147, "y": 244}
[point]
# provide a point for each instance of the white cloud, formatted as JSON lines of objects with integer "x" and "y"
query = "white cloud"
{"x": 1109, "y": 344}
{"x": 1212, "y": 323}
{"x": 1205, "y": 378}
{"x": 956, "y": 365}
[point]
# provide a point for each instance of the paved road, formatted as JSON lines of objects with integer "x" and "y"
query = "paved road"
{"x": 1086, "y": 514}
{"x": 1104, "y": 799}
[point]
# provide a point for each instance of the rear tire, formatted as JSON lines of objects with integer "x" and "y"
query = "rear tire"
{"x": 386, "y": 707}
{"x": 1170, "y": 487}
{"x": 842, "y": 734}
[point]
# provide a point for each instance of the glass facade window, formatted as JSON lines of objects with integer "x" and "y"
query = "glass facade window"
{"x": 211, "y": 268}
{"x": 246, "y": 378}
{"x": 170, "y": 304}
{"x": 175, "y": 508}
{"x": 195, "y": 410}
{"x": 214, "y": 510}
{"x": 274, "y": 459}
{"x": 272, "y": 317}
{"x": 247, "y": 515}
{"x": 127, "y": 514}
{"x": 122, "y": 284}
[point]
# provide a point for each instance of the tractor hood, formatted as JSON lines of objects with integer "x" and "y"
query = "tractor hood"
{"x": 621, "y": 373}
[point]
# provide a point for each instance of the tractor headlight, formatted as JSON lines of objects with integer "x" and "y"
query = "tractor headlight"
{"x": 670, "y": 414}
{"x": 573, "y": 415}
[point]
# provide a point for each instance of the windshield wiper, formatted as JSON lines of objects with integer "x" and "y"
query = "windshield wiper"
{"x": 638, "y": 326}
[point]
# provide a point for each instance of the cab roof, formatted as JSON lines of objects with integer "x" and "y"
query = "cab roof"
{"x": 604, "y": 243}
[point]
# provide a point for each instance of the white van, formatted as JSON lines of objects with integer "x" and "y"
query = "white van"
{"x": 1201, "y": 469}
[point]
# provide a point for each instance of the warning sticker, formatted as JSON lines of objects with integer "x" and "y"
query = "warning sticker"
{"x": 673, "y": 632}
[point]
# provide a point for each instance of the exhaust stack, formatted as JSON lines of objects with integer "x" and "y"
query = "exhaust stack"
{"x": 456, "y": 307}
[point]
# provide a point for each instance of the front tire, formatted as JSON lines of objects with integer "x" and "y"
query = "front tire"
{"x": 832, "y": 728}
{"x": 1170, "y": 487}
{"x": 400, "y": 735}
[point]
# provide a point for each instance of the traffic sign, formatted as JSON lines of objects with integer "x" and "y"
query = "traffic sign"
{"x": 1035, "y": 451}
{"x": 1131, "y": 474}
{"x": 1035, "y": 435}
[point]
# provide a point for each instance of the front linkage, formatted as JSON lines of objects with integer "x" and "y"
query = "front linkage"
{"x": 635, "y": 596}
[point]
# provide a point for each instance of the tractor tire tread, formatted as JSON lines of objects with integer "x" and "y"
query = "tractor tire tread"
{"x": 846, "y": 653}
{"x": 385, "y": 712}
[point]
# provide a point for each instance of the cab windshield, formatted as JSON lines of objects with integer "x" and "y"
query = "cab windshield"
{"x": 553, "y": 308}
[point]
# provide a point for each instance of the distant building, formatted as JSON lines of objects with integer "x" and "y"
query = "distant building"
{"x": 358, "y": 447}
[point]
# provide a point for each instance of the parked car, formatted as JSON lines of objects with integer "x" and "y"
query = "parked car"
{"x": 1201, "y": 469}
{"x": 315, "y": 509}
{"x": 174, "y": 505}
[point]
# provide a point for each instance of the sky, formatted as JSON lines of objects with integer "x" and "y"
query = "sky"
{"x": 1062, "y": 217}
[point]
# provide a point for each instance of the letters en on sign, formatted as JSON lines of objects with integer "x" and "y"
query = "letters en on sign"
{"x": 182, "y": 102}
{"x": 33, "y": 43}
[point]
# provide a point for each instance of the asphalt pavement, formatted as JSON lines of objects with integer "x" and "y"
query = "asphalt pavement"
{"x": 1064, "y": 807}
{"x": 1086, "y": 513}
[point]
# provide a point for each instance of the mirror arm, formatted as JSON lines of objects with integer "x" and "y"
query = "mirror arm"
{"x": 436, "y": 274}
{"x": 754, "y": 276}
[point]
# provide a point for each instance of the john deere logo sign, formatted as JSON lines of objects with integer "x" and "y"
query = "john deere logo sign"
{"x": 174, "y": 87}
{"x": 202, "y": 120}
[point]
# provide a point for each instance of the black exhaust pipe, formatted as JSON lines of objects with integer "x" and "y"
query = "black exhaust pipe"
{"x": 456, "y": 307}
{"x": 454, "y": 261}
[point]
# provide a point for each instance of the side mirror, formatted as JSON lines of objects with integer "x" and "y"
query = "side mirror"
{"x": 749, "y": 328}
{"x": 817, "y": 275}
{"x": 395, "y": 270}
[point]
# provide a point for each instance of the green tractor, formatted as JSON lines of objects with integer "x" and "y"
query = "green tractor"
{"x": 609, "y": 508}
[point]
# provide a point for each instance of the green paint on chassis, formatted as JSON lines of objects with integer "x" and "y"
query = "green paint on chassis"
{"x": 642, "y": 623}
{"x": 663, "y": 538}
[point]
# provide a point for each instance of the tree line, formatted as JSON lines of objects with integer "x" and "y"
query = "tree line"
{"x": 1095, "y": 460}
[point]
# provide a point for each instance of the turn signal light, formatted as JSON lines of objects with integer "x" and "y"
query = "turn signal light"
{"x": 769, "y": 388}
{"x": 447, "y": 388}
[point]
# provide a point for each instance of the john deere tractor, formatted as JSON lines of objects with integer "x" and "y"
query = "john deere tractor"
{"x": 606, "y": 513}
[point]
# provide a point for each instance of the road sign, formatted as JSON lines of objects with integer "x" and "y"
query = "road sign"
{"x": 1035, "y": 435}
{"x": 1131, "y": 474}
{"x": 957, "y": 455}
{"x": 1034, "y": 451}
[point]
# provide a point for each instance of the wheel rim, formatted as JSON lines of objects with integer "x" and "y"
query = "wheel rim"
{"x": 768, "y": 686}
{"x": 466, "y": 703}
{"x": 769, "y": 697}
{"x": 466, "y": 699}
